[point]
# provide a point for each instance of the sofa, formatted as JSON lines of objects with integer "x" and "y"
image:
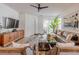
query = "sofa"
{"x": 66, "y": 45}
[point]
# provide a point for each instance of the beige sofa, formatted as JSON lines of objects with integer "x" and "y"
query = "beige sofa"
{"x": 68, "y": 48}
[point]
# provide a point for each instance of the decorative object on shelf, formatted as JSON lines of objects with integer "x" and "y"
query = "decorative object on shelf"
{"x": 55, "y": 23}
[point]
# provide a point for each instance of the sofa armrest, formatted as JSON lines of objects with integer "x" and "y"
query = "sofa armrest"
{"x": 69, "y": 49}
{"x": 65, "y": 45}
{"x": 8, "y": 50}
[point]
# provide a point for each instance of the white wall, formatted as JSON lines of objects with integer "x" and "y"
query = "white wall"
{"x": 40, "y": 24}
{"x": 6, "y": 11}
{"x": 22, "y": 20}
{"x": 31, "y": 22}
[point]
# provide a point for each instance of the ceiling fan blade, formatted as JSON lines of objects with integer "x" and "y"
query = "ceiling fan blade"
{"x": 43, "y": 7}
{"x": 34, "y": 6}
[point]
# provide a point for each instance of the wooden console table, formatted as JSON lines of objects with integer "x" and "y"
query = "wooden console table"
{"x": 8, "y": 37}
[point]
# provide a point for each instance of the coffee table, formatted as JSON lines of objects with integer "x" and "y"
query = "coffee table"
{"x": 52, "y": 51}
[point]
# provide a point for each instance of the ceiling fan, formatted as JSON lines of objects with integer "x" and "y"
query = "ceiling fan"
{"x": 39, "y": 7}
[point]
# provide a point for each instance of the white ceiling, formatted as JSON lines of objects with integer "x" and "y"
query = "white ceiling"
{"x": 54, "y": 8}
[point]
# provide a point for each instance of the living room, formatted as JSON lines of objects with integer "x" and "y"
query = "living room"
{"x": 39, "y": 28}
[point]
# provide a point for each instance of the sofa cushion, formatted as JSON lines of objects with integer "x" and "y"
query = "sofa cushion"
{"x": 60, "y": 39}
{"x": 65, "y": 34}
{"x": 68, "y": 38}
{"x": 70, "y": 44}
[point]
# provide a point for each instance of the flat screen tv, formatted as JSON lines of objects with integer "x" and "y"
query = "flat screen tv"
{"x": 10, "y": 23}
{"x": 16, "y": 23}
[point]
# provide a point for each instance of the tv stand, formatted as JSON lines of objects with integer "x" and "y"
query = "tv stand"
{"x": 7, "y": 38}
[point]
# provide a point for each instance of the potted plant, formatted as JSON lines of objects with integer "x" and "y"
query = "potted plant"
{"x": 55, "y": 23}
{"x": 52, "y": 42}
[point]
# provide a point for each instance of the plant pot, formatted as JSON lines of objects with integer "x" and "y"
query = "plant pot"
{"x": 52, "y": 43}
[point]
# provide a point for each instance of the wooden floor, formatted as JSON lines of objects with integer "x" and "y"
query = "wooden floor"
{"x": 21, "y": 41}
